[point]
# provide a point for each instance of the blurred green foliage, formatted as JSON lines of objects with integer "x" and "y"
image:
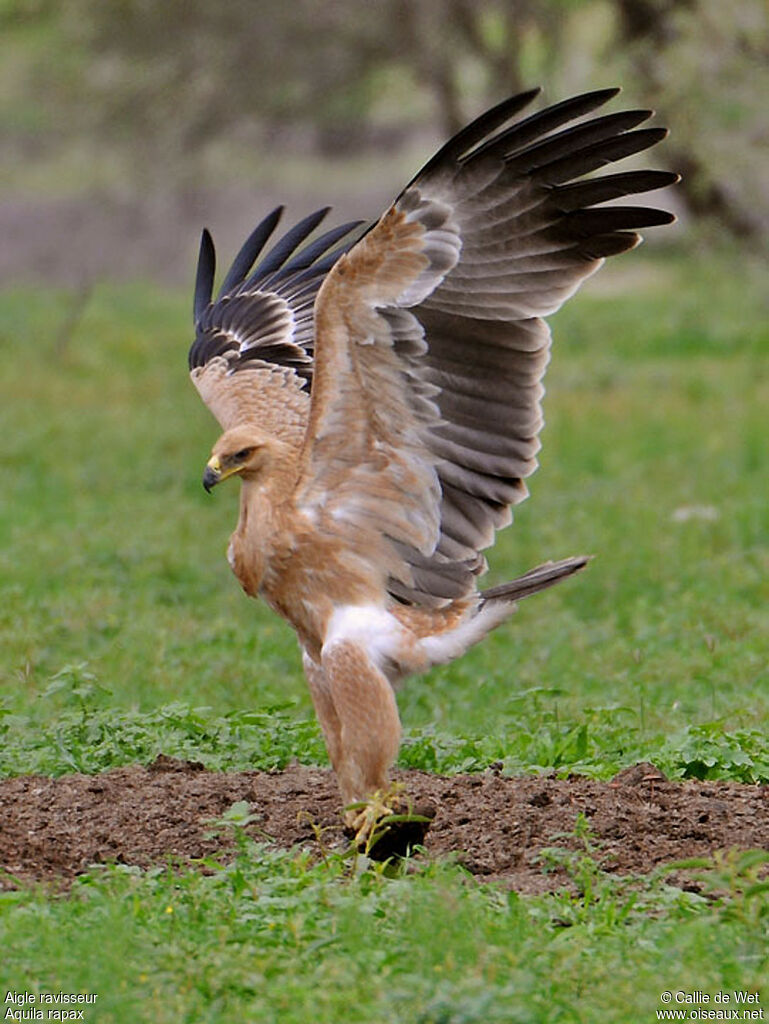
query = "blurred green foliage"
{"x": 166, "y": 93}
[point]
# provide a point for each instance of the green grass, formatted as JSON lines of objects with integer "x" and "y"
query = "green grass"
{"x": 123, "y": 634}
{"x": 275, "y": 938}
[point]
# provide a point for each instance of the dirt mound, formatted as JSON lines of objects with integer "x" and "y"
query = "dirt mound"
{"x": 53, "y": 829}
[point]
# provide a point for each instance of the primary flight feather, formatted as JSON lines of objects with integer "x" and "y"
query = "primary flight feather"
{"x": 380, "y": 395}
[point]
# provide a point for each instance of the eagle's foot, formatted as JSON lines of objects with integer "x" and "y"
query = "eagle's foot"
{"x": 388, "y": 824}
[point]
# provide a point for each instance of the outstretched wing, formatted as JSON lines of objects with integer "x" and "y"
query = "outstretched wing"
{"x": 430, "y": 346}
{"x": 253, "y": 351}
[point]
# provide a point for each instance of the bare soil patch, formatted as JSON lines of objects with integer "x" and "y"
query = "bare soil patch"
{"x": 51, "y": 830}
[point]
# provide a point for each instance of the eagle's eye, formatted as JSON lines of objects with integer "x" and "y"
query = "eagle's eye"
{"x": 242, "y": 454}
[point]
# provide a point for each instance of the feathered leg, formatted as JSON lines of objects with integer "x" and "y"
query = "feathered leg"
{"x": 320, "y": 691}
{"x": 358, "y": 714}
{"x": 363, "y": 719}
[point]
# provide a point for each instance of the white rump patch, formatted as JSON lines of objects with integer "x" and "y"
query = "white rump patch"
{"x": 441, "y": 648}
{"x": 371, "y": 627}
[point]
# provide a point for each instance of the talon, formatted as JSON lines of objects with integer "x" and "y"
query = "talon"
{"x": 379, "y": 838}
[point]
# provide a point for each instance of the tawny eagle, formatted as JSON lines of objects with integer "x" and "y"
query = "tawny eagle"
{"x": 380, "y": 396}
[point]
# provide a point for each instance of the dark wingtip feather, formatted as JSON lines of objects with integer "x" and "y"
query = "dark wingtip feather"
{"x": 598, "y": 154}
{"x": 566, "y": 143}
{"x": 204, "y": 277}
{"x": 541, "y": 123}
{"x": 606, "y": 94}
{"x": 250, "y": 250}
{"x": 310, "y": 253}
{"x": 596, "y": 220}
{"x": 286, "y": 246}
{"x": 580, "y": 194}
{"x": 477, "y": 130}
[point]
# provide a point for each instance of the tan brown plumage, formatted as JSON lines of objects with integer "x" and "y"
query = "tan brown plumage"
{"x": 380, "y": 397}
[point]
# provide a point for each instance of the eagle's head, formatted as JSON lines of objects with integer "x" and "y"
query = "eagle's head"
{"x": 243, "y": 451}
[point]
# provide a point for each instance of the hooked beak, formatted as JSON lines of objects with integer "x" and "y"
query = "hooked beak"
{"x": 213, "y": 473}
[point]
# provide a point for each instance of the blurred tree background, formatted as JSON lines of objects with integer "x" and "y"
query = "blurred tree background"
{"x": 127, "y": 123}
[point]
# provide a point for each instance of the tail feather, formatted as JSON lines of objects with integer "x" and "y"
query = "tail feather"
{"x": 543, "y": 576}
{"x": 495, "y": 605}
